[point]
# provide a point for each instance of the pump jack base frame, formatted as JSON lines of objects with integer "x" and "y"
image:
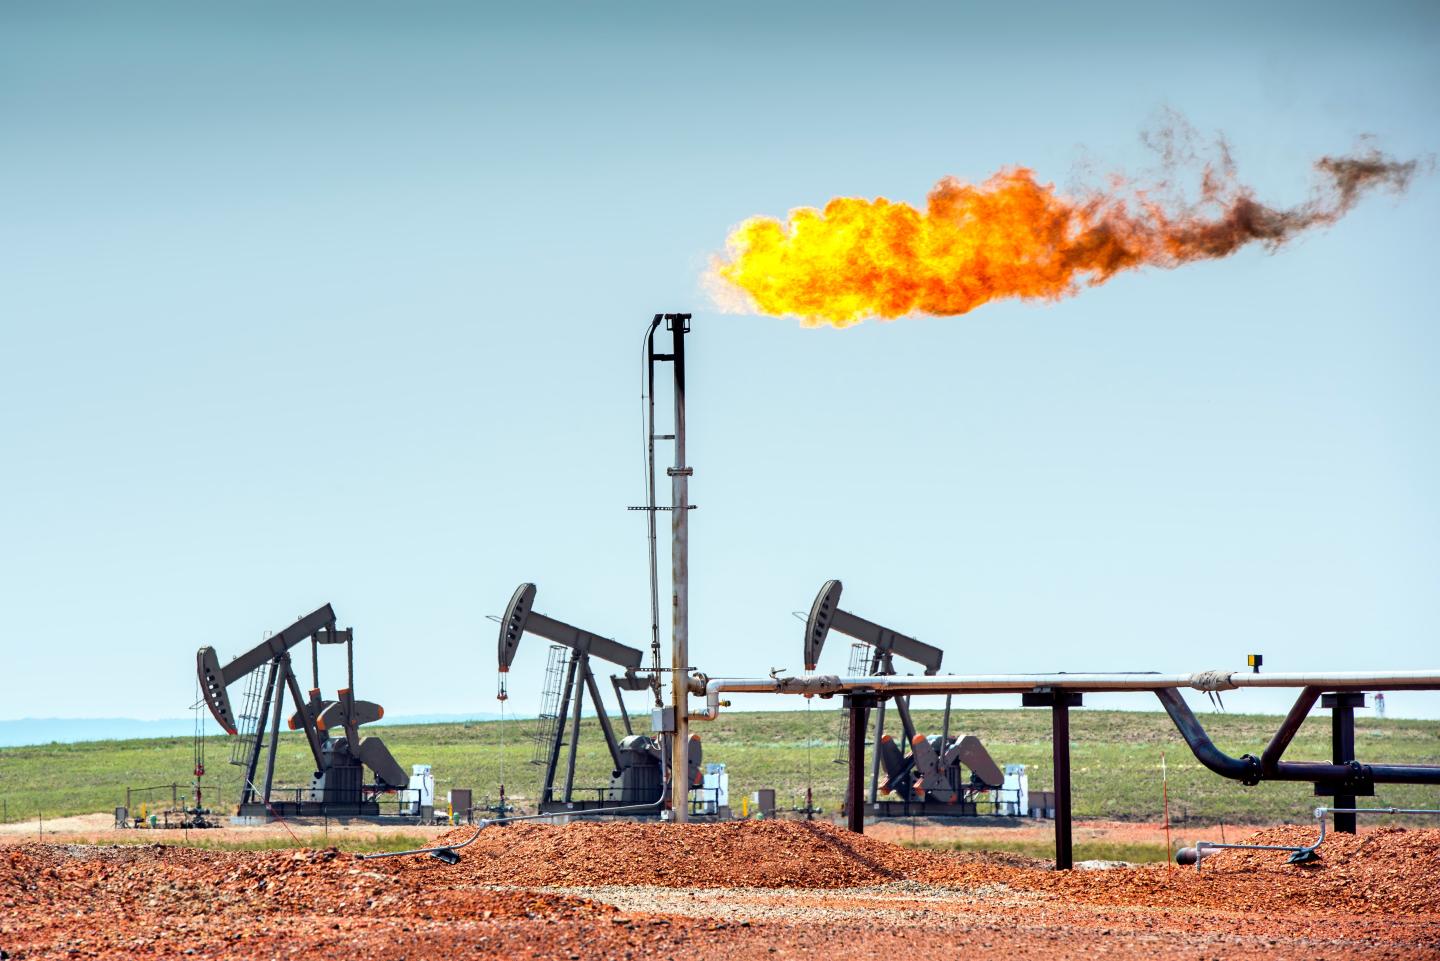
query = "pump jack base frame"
{"x": 253, "y": 819}
{"x": 924, "y": 809}
{"x": 582, "y": 809}
{"x": 290, "y": 810}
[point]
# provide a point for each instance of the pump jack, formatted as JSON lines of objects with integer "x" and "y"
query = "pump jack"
{"x": 636, "y": 777}
{"x": 337, "y": 786}
{"x": 929, "y": 774}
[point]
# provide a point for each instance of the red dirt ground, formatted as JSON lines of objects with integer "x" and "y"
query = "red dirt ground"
{"x": 744, "y": 890}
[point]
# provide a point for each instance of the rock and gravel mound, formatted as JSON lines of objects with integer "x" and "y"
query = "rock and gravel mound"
{"x": 745, "y": 854}
{"x": 1387, "y": 871}
{"x": 145, "y": 901}
{"x": 1397, "y": 868}
{"x": 43, "y": 876}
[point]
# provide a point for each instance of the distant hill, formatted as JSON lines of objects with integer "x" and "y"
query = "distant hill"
{"x": 65, "y": 730}
{"x": 69, "y": 730}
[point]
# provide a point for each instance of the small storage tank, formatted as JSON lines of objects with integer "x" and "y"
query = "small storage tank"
{"x": 714, "y": 791}
{"x": 1015, "y": 792}
{"x": 421, "y": 797}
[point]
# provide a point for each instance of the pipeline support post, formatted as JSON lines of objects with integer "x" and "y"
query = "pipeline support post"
{"x": 1059, "y": 702}
{"x": 859, "y": 707}
{"x": 1342, "y": 705}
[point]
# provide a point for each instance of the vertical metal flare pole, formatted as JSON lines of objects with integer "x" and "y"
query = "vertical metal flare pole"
{"x": 855, "y": 770}
{"x": 680, "y": 582}
{"x": 1060, "y": 733}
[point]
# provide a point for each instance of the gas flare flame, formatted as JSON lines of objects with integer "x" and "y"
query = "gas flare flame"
{"x": 1012, "y": 236}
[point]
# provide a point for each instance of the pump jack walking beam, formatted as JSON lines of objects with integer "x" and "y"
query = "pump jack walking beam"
{"x": 214, "y": 679}
{"x": 825, "y": 615}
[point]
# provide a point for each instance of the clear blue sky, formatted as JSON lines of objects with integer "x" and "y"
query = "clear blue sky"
{"x": 342, "y": 302}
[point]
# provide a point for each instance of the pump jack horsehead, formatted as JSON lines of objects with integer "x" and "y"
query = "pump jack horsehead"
{"x": 332, "y": 727}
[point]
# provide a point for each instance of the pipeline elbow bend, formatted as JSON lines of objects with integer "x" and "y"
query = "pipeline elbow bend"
{"x": 1245, "y": 769}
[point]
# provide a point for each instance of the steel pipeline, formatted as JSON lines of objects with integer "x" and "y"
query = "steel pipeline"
{"x": 830, "y": 684}
{"x": 1248, "y": 769}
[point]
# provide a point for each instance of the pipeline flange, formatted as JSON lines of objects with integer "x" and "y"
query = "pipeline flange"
{"x": 1359, "y": 781}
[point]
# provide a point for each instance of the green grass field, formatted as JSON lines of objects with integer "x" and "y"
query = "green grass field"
{"x": 1116, "y": 762}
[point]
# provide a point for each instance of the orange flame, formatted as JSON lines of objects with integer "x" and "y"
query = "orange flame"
{"x": 1009, "y": 237}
